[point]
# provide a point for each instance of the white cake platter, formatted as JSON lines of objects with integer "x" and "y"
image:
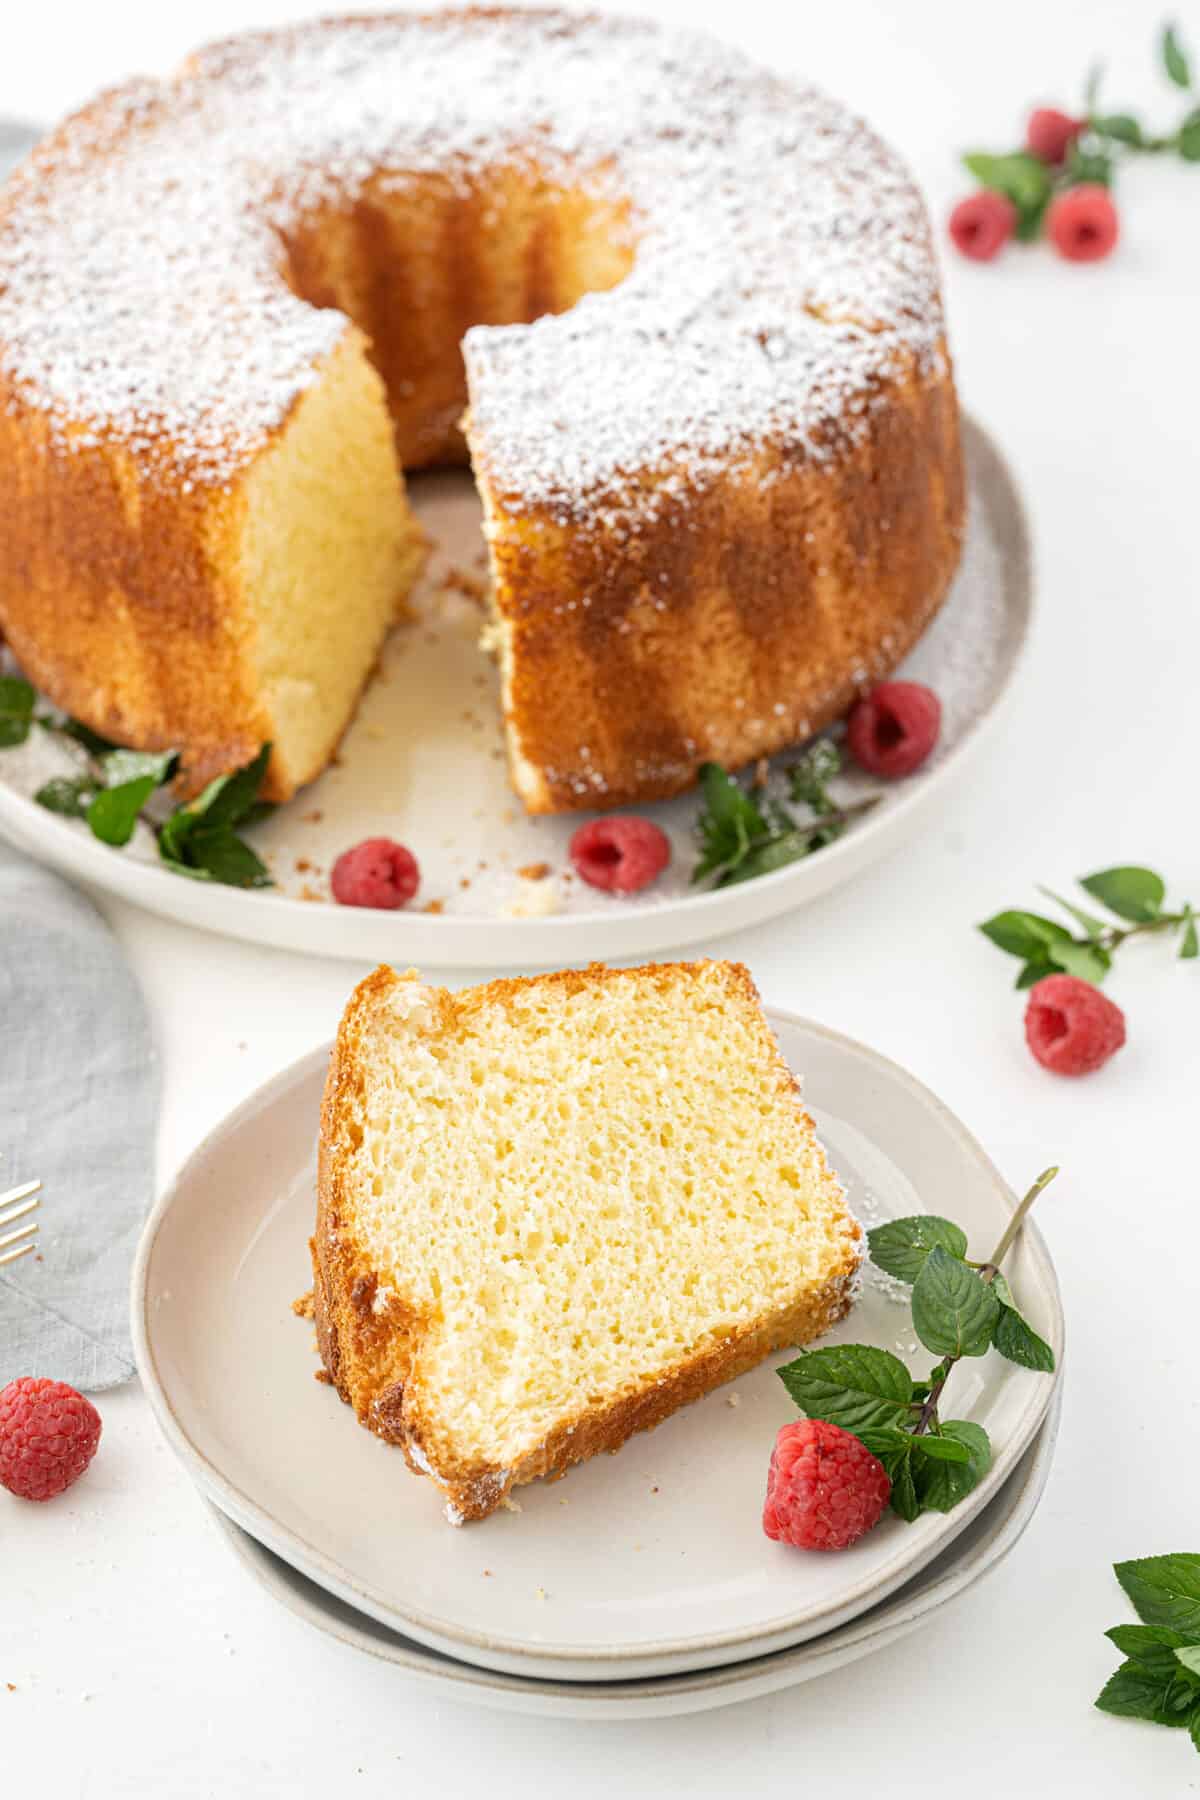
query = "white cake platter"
{"x": 424, "y": 764}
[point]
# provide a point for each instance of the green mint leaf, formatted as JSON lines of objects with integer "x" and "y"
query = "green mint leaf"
{"x": 940, "y": 1449}
{"x": 905, "y": 1502}
{"x": 16, "y": 711}
{"x": 200, "y": 834}
{"x": 729, "y": 822}
{"x": 809, "y": 778}
{"x": 900, "y": 1247}
{"x": 1033, "y": 972}
{"x": 219, "y": 852}
{"x": 1024, "y": 178}
{"x": 1153, "y": 1646}
{"x": 1174, "y": 57}
{"x": 1164, "y": 1590}
{"x": 1028, "y": 227}
{"x": 954, "y": 1313}
{"x": 119, "y": 767}
{"x": 775, "y": 853}
{"x": 940, "y": 1484}
{"x": 1014, "y": 1337}
{"x": 1189, "y": 1656}
{"x": 1024, "y": 934}
{"x": 1093, "y": 926}
{"x": 1188, "y": 945}
{"x": 1090, "y": 962}
{"x": 1123, "y": 128}
{"x": 229, "y": 799}
{"x": 182, "y": 868}
{"x": 68, "y": 795}
{"x": 855, "y": 1386}
{"x": 884, "y": 1441}
{"x": 1086, "y": 162}
{"x": 255, "y": 814}
{"x": 113, "y": 813}
{"x": 1135, "y": 1692}
{"x": 1189, "y": 138}
{"x": 1131, "y": 893}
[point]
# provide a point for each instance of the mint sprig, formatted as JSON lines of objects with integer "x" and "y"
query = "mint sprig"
{"x": 16, "y": 711}
{"x": 1160, "y": 1678}
{"x": 740, "y": 838}
{"x": 959, "y": 1308}
{"x": 200, "y": 839}
{"x": 1133, "y": 895}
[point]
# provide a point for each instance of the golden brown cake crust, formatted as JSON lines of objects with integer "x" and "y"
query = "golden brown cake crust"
{"x": 788, "y": 599}
{"x": 368, "y": 1343}
{"x": 724, "y": 491}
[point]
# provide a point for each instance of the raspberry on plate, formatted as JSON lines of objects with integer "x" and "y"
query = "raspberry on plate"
{"x": 982, "y": 224}
{"x": 892, "y": 730}
{"x": 48, "y": 1436}
{"x": 1050, "y": 134}
{"x": 377, "y": 872}
{"x": 620, "y": 853}
{"x": 1082, "y": 224}
{"x": 824, "y": 1487}
{"x": 1071, "y": 1027}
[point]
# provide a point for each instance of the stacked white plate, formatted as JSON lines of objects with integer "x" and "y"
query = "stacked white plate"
{"x": 643, "y": 1583}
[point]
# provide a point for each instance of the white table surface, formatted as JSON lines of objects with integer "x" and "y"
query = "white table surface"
{"x": 144, "y": 1662}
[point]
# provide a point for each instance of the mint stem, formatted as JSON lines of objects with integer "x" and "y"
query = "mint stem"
{"x": 987, "y": 1272}
{"x": 1115, "y": 935}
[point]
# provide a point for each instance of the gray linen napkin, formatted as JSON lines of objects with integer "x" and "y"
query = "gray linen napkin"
{"x": 78, "y": 1110}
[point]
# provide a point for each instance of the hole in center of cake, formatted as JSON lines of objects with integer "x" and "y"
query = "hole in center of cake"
{"x": 418, "y": 259}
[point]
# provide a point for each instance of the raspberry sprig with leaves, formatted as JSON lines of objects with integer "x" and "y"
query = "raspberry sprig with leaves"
{"x": 960, "y": 1309}
{"x": 1058, "y": 183}
{"x": 1137, "y": 899}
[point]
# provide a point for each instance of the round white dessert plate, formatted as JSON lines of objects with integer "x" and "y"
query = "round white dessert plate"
{"x": 646, "y": 1563}
{"x": 980, "y": 1549}
{"x": 423, "y": 763}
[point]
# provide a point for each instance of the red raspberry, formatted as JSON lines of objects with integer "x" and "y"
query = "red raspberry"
{"x": 892, "y": 729}
{"x": 982, "y": 224}
{"x": 824, "y": 1488}
{"x": 621, "y": 853}
{"x": 1070, "y": 1026}
{"x": 1050, "y": 134}
{"x": 48, "y": 1436}
{"x": 1082, "y": 223}
{"x": 376, "y": 872}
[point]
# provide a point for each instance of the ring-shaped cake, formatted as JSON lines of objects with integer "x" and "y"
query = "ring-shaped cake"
{"x": 683, "y": 317}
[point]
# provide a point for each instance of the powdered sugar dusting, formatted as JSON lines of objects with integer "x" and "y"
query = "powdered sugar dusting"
{"x": 783, "y": 261}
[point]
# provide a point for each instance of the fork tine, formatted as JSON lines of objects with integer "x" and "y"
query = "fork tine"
{"x": 10, "y": 1216}
{"x": 23, "y": 1232}
{"x": 19, "y": 1193}
{"x": 12, "y": 1255}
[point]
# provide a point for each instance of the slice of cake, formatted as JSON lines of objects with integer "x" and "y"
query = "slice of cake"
{"x": 553, "y": 1210}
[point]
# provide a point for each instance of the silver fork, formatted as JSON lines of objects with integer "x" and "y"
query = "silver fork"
{"x": 14, "y": 1205}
